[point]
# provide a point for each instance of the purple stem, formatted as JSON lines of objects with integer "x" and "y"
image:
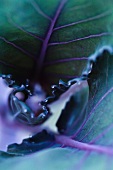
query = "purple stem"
{"x": 37, "y": 8}
{"x": 7, "y": 64}
{"x": 83, "y": 146}
{"x": 99, "y": 102}
{"x": 22, "y": 29}
{"x": 78, "y": 166}
{"x": 85, "y": 20}
{"x": 92, "y": 142}
{"x": 17, "y": 47}
{"x": 64, "y": 60}
{"x": 48, "y": 36}
{"x": 99, "y": 136}
{"x": 79, "y": 39}
{"x": 102, "y": 134}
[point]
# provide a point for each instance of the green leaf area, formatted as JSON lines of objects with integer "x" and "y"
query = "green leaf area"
{"x": 51, "y": 39}
{"x": 80, "y": 28}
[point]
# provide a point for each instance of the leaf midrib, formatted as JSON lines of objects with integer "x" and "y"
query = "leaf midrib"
{"x": 40, "y": 61}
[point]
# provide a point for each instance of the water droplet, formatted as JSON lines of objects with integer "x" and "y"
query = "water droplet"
{"x": 14, "y": 98}
{"x": 25, "y": 110}
{"x": 32, "y": 115}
